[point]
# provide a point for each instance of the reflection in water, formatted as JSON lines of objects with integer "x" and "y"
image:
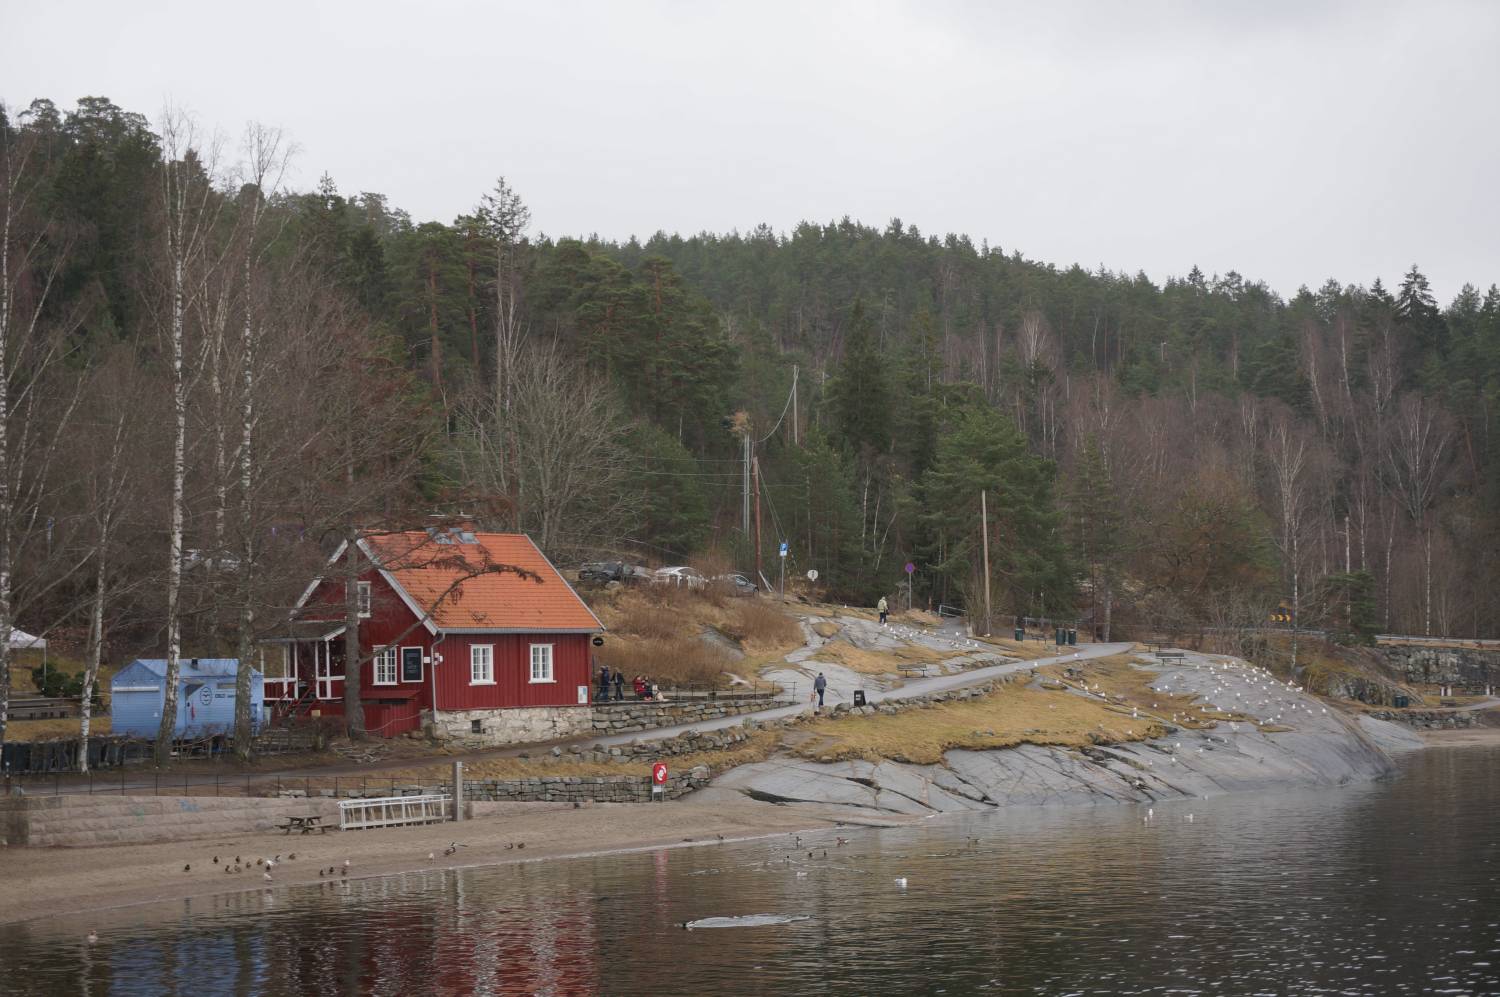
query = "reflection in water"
{"x": 1381, "y": 889}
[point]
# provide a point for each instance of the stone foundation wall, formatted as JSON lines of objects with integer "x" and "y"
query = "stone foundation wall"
{"x": 510, "y": 726}
{"x": 82, "y": 820}
{"x": 622, "y": 718}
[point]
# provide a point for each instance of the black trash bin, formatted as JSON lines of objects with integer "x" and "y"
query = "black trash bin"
{"x": 859, "y": 697}
{"x": 1402, "y": 702}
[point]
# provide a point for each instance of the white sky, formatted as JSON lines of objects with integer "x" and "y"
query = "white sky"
{"x": 1288, "y": 141}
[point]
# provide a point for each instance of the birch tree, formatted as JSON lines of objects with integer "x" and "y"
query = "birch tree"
{"x": 266, "y": 160}
{"x": 1416, "y": 456}
{"x": 189, "y": 213}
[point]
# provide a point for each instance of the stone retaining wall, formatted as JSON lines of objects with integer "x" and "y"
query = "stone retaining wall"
{"x": 1472, "y": 668}
{"x": 529, "y": 724}
{"x": 83, "y": 820}
{"x": 622, "y": 718}
{"x": 583, "y": 789}
{"x": 1430, "y": 719}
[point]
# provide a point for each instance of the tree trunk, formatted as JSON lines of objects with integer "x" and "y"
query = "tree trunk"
{"x": 167, "y": 729}
{"x": 93, "y": 656}
{"x": 354, "y": 713}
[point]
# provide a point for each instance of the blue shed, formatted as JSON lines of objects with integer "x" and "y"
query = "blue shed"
{"x": 205, "y": 696}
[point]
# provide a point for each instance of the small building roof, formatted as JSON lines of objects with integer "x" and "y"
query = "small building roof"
{"x": 188, "y": 668}
{"x": 468, "y": 581}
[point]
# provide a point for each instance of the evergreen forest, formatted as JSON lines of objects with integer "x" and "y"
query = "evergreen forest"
{"x": 208, "y": 378}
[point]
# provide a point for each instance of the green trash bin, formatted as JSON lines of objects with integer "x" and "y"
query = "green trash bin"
{"x": 1020, "y": 633}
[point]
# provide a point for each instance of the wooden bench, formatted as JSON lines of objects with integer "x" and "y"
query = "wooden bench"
{"x": 1171, "y": 655}
{"x": 913, "y": 666}
{"x": 304, "y": 825}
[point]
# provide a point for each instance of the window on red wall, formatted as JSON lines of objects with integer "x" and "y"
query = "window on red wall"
{"x": 385, "y": 666}
{"x": 541, "y": 663}
{"x": 482, "y": 664}
{"x": 363, "y": 598}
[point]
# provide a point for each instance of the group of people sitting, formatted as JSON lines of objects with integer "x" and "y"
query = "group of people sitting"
{"x": 643, "y": 687}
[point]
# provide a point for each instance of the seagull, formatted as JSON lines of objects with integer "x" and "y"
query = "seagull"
{"x": 346, "y": 863}
{"x": 266, "y": 876}
{"x": 92, "y": 937}
{"x": 431, "y": 857}
{"x": 901, "y": 882}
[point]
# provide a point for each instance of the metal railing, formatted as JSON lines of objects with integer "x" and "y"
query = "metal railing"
{"x": 394, "y": 811}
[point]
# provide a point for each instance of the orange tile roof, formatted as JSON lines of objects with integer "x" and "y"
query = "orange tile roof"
{"x": 463, "y": 588}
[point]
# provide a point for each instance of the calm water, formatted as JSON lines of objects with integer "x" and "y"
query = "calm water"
{"x": 1391, "y": 888}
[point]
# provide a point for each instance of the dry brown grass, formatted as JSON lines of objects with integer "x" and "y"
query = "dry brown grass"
{"x": 674, "y": 660}
{"x": 656, "y": 631}
{"x": 1011, "y": 716}
{"x": 62, "y": 727}
{"x": 760, "y": 626}
{"x": 876, "y": 662}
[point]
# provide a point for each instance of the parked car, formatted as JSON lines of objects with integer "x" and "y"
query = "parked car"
{"x": 736, "y": 584}
{"x": 604, "y": 572}
{"x": 680, "y": 575}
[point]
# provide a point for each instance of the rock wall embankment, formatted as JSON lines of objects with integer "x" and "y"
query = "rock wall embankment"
{"x": 1465, "y": 667}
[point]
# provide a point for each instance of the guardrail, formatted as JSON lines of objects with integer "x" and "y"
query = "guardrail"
{"x": 394, "y": 811}
{"x": 1479, "y": 643}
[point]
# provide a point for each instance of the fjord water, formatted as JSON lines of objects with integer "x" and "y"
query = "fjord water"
{"x": 1384, "y": 888}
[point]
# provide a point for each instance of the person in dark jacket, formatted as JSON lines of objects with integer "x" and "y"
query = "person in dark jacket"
{"x": 619, "y": 685}
{"x": 604, "y": 684}
{"x": 820, "y": 686}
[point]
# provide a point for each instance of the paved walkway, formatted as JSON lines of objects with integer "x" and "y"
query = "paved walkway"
{"x": 920, "y": 687}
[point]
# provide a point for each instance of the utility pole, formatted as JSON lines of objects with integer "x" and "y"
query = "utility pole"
{"x": 760, "y": 579}
{"x": 745, "y": 511}
{"x": 984, "y": 527}
{"x": 796, "y": 436}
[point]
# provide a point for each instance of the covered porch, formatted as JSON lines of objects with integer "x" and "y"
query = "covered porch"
{"x": 304, "y": 669}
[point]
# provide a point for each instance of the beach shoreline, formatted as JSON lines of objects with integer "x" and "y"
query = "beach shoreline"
{"x": 40, "y": 883}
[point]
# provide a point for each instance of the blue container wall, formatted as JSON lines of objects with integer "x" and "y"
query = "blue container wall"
{"x": 208, "y": 704}
{"x": 136, "y": 714}
{"x": 205, "y": 704}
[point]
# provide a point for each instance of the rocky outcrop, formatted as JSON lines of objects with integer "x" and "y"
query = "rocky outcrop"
{"x": 1297, "y": 742}
{"x": 1431, "y": 719}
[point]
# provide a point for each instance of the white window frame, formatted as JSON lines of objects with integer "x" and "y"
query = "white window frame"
{"x": 550, "y": 675}
{"x": 364, "y": 598}
{"x": 487, "y": 675}
{"x": 387, "y": 656}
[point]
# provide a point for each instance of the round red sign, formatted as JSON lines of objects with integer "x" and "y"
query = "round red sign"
{"x": 659, "y": 773}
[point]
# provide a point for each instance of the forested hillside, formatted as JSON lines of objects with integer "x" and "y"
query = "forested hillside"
{"x": 209, "y": 378}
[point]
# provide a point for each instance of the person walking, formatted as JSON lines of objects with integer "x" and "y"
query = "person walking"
{"x": 882, "y": 607}
{"x": 619, "y": 685}
{"x": 604, "y": 684}
{"x": 820, "y": 686}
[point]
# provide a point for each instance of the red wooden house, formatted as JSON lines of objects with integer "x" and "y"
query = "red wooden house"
{"x": 475, "y": 633}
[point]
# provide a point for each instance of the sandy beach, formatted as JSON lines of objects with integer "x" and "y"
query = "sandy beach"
{"x": 43, "y": 882}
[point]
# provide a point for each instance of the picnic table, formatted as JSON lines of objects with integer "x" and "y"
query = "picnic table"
{"x": 305, "y": 824}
